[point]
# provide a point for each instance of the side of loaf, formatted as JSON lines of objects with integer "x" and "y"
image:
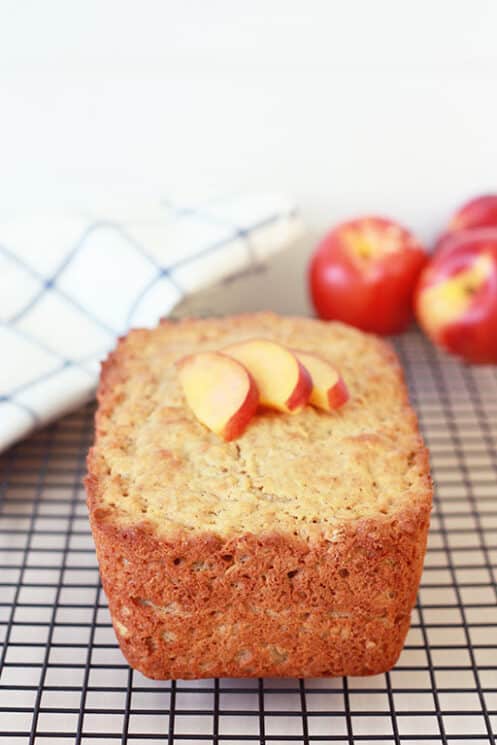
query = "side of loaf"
{"x": 294, "y": 551}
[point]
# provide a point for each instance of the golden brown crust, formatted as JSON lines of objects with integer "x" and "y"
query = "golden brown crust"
{"x": 190, "y": 604}
{"x": 262, "y": 606}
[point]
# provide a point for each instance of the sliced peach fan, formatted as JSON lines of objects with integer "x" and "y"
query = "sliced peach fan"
{"x": 223, "y": 389}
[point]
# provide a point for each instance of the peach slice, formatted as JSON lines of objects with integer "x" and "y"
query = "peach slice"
{"x": 283, "y": 382}
{"x": 220, "y": 391}
{"x": 329, "y": 390}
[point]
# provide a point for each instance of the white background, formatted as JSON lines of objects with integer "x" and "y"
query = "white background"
{"x": 350, "y": 106}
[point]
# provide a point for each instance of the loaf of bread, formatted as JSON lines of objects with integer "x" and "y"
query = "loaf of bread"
{"x": 294, "y": 550}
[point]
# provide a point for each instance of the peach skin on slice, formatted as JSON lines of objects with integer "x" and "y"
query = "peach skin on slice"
{"x": 283, "y": 382}
{"x": 329, "y": 390}
{"x": 220, "y": 391}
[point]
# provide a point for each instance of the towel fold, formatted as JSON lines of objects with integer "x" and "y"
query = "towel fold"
{"x": 70, "y": 285}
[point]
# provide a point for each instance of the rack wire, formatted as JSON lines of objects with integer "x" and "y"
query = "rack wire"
{"x": 64, "y": 680}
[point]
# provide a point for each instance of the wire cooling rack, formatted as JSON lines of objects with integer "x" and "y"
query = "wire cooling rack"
{"x": 65, "y": 681}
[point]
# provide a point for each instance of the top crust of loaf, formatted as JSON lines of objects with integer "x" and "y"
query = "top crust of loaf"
{"x": 311, "y": 474}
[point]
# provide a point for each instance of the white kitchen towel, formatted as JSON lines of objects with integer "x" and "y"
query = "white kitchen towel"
{"x": 69, "y": 285}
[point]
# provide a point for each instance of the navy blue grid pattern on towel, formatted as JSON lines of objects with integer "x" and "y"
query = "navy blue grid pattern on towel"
{"x": 70, "y": 286}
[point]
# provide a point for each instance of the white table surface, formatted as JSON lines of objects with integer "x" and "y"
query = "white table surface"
{"x": 349, "y": 106}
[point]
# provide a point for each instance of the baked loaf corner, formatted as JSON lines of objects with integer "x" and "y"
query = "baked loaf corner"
{"x": 295, "y": 550}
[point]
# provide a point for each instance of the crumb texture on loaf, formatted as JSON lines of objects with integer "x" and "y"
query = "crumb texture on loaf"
{"x": 295, "y": 550}
{"x": 254, "y": 606}
{"x": 305, "y": 474}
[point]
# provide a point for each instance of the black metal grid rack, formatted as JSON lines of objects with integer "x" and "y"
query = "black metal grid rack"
{"x": 65, "y": 681}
